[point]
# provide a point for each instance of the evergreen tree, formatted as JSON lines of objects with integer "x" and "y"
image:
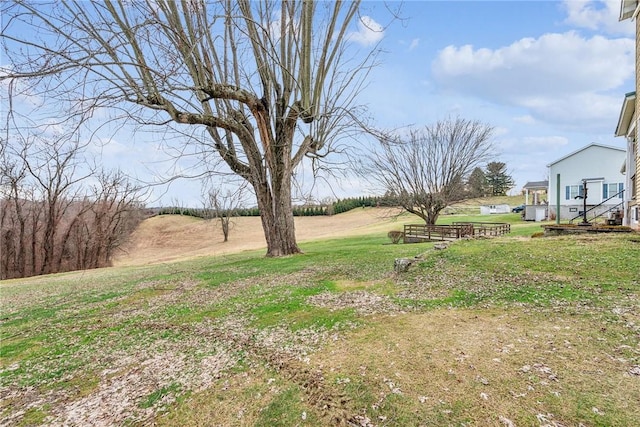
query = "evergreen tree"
{"x": 477, "y": 183}
{"x": 498, "y": 181}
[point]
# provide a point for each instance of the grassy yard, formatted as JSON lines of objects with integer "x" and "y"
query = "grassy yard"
{"x": 506, "y": 331}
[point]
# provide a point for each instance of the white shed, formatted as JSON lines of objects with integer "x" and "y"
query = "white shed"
{"x": 597, "y": 165}
{"x": 494, "y": 209}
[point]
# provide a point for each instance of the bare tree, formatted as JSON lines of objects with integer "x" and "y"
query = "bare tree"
{"x": 53, "y": 166}
{"x": 426, "y": 169}
{"x": 114, "y": 209}
{"x": 13, "y": 246}
{"x": 49, "y": 221}
{"x": 223, "y": 203}
{"x": 270, "y": 82}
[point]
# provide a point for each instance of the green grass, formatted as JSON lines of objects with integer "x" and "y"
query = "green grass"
{"x": 247, "y": 333}
{"x": 284, "y": 410}
{"x": 34, "y": 416}
{"x": 286, "y": 303}
{"x": 155, "y": 397}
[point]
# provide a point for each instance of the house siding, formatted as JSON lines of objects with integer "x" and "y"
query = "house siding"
{"x": 636, "y": 216}
{"x": 630, "y": 9}
{"x": 601, "y": 165}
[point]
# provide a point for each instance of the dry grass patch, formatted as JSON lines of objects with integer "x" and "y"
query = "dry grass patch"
{"x": 247, "y": 398}
{"x": 455, "y": 367}
{"x": 352, "y": 285}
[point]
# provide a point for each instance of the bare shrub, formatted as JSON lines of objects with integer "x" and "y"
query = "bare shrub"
{"x": 395, "y": 236}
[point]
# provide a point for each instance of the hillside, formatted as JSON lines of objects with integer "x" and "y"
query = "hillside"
{"x": 174, "y": 237}
{"x": 489, "y": 332}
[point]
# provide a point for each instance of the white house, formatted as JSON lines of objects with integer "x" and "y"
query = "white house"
{"x": 629, "y": 124}
{"x": 600, "y": 167}
{"x": 627, "y": 127}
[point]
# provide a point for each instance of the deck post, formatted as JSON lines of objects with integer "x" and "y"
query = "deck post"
{"x": 557, "y": 198}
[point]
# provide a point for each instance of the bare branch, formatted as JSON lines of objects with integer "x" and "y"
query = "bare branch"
{"x": 425, "y": 170}
{"x": 269, "y": 82}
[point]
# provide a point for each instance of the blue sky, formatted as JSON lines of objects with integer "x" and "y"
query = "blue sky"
{"x": 549, "y": 76}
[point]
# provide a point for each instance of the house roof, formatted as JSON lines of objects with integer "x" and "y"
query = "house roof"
{"x": 628, "y": 9}
{"x": 626, "y": 114}
{"x": 593, "y": 144}
{"x": 536, "y": 185}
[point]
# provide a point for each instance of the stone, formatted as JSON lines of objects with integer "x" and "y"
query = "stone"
{"x": 400, "y": 265}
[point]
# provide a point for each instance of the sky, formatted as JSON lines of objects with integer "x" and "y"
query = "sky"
{"x": 549, "y": 76}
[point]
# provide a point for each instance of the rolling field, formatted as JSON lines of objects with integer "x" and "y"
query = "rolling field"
{"x": 186, "y": 330}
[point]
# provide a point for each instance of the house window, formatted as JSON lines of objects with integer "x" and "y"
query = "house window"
{"x": 573, "y": 191}
{"x": 610, "y": 190}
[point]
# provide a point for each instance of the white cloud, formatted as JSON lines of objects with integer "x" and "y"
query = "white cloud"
{"x": 559, "y": 78}
{"x": 597, "y": 15}
{"x": 18, "y": 90}
{"x": 526, "y": 119}
{"x": 566, "y": 62}
{"x": 414, "y": 44}
{"x": 500, "y": 131}
{"x": 580, "y": 110}
{"x": 110, "y": 148}
{"x": 369, "y": 32}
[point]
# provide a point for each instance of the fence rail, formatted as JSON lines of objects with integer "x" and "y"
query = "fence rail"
{"x": 488, "y": 228}
{"x": 416, "y": 233}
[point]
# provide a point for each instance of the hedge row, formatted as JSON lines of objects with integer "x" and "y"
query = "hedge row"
{"x": 339, "y": 206}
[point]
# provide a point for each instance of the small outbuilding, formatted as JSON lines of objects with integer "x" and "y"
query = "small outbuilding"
{"x": 494, "y": 209}
{"x": 535, "y": 192}
{"x": 535, "y": 196}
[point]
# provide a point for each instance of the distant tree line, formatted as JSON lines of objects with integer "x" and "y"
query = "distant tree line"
{"x": 58, "y": 215}
{"x": 337, "y": 207}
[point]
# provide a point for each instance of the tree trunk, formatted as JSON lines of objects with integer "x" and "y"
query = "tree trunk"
{"x": 276, "y": 214}
{"x": 48, "y": 243}
{"x": 224, "y": 222}
{"x": 21, "y": 260}
{"x": 34, "y": 241}
{"x": 432, "y": 217}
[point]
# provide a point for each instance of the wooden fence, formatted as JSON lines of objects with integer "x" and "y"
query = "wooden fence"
{"x": 488, "y": 228}
{"x": 415, "y": 233}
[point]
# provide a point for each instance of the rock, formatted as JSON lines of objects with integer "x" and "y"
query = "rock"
{"x": 400, "y": 265}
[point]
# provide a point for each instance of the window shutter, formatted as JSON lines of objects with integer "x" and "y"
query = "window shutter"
{"x": 567, "y": 193}
{"x": 605, "y": 191}
{"x": 620, "y": 188}
{"x": 581, "y": 190}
